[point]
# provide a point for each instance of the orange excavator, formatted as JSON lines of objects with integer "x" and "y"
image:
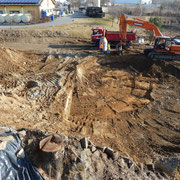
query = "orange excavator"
{"x": 164, "y": 47}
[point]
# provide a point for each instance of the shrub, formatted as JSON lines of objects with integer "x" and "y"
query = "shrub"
{"x": 156, "y": 21}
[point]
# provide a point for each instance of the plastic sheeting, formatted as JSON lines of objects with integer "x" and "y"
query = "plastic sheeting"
{"x": 14, "y": 162}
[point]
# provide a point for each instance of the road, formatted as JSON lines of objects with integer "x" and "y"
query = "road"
{"x": 57, "y": 21}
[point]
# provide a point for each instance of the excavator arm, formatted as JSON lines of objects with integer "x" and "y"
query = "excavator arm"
{"x": 137, "y": 23}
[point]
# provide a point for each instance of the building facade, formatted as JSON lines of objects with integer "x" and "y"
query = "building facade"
{"x": 48, "y": 6}
{"x": 33, "y": 7}
{"x": 148, "y": 2}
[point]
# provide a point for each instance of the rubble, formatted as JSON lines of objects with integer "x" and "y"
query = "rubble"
{"x": 109, "y": 152}
{"x": 84, "y": 143}
{"x": 79, "y": 162}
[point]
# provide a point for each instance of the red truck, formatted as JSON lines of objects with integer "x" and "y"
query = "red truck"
{"x": 113, "y": 37}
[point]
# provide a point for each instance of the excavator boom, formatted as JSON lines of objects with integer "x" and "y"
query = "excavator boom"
{"x": 137, "y": 23}
{"x": 148, "y": 26}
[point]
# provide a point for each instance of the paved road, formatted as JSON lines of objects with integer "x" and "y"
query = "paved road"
{"x": 57, "y": 21}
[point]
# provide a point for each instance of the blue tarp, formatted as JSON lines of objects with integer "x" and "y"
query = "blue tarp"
{"x": 14, "y": 162}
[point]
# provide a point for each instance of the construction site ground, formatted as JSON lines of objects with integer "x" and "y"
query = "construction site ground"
{"x": 52, "y": 79}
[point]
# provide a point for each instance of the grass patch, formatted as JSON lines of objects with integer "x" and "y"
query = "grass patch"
{"x": 81, "y": 28}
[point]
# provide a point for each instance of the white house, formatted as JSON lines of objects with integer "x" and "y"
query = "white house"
{"x": 146, "y": 2}
{"x": 48, "y": 6}
{"x": 131, "y": 1}
{"x": 33, "y": 7}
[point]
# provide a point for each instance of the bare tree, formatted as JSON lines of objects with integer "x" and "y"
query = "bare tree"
{"x": 75, "y": 3}
{"x": 114, "y": 14}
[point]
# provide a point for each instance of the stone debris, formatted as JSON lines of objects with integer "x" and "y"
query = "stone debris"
{"x": 84, "y": 143}
{"x": 150, "y": 167}
{"x": 79, "y": 159}
{"x": 93, "y": 149}
{"x": 109, "y": 152}
{"x": 31, "y": 84}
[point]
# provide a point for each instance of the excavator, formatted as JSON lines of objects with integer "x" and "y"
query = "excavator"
{"x": 166, "y": 48}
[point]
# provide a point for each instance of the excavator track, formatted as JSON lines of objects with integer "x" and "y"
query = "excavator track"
{"x": 169, "y": 57}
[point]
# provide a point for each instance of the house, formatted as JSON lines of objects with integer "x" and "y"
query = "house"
{"x": 33, "y": 7}
{"x": 133, "y": 2}
{"x": 146, "y": 2}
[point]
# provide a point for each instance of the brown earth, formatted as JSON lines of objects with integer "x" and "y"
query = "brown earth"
{"x": 128, "y": 102}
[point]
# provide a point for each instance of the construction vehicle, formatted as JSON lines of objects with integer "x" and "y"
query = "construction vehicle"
{"x": 95, "y": 12}
{"x": 113, "y": 37}
{"x": 164, "y": 47}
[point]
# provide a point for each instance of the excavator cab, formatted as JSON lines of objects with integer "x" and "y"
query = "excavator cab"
{"x": 162, "y": 44}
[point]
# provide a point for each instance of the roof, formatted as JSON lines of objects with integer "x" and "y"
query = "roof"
{"x": 4, "y": 2}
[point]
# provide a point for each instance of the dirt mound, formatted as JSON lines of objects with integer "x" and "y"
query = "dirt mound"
{"x": 10, "y": 61}
{"x": 14, "y": 65}
{"x": 27, "y": 35}
{"x": 127, "y": 103}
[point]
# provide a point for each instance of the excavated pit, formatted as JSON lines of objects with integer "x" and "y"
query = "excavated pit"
{"x": 127, "y": 103}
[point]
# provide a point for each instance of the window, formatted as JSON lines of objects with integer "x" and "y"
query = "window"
{"x": 14, "y": 12}
{"x": 161, "y": 43}
{"x": 95, "y": 32}
{"x": 168, "y": 43}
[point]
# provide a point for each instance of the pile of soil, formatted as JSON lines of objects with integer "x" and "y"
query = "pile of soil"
{"x": 127, "y": 103}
